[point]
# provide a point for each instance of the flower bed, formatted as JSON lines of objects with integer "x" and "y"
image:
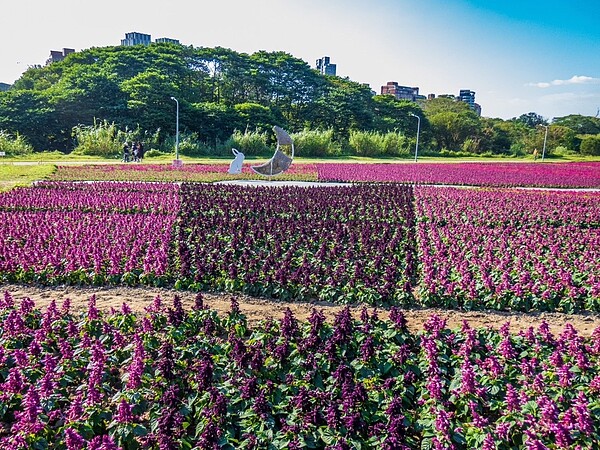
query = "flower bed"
{"x": 509, "y": 249}
{"x": 345, "y": 244}
{"x": 173, "y": 379}
{"x": 168, "y": 173}
{"x": 568, "y": 175}
{"x": 87, "y": 233}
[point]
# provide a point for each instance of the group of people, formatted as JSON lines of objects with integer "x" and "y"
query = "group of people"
{"x": 133, "y": 152}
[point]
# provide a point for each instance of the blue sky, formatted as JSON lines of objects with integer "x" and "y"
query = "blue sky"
{"x": 518, "y": 56}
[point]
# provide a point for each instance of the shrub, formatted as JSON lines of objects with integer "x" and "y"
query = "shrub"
{"x": 368, "y": 143}
{"x": 316, "y": 143}
{"x": 153, "y": 153}
{"x": 14, "y": 145}
{"x": 590, "y": 145}
{"x": 189, "y": 145}
{"x": 100, "y": 139}
{"x": 249, "y": 142}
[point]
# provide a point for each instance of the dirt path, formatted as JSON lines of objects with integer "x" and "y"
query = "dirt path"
{"x": 257, "y": 309}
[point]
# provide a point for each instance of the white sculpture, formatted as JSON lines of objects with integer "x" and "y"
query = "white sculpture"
{"x": 236, "y": 165}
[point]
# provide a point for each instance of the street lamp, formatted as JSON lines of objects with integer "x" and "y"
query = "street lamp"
{"x": 418, "y": 130}
{"x": 545, "y": 139}
{"x": 176, "y": 130}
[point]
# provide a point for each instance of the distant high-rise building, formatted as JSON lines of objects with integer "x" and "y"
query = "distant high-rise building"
{"x": 135, "y": 38}
{"x": 57, "y": 55}
{"x": 325, "y": 67}
{"x": 467, "y": 97}
{"x": 401, "y": 92}
{"x": 165, "y": 40}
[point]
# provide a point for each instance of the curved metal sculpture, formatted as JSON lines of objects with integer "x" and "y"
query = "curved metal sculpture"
{"x": 281, "y": 161}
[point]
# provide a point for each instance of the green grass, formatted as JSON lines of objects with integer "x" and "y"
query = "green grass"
{"x": 12, "y": 175}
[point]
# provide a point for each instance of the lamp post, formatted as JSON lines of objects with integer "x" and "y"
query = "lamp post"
{"x": 176, "y": 130}
{"x": 545, "y": 139}
{"x": 418, "y": 130}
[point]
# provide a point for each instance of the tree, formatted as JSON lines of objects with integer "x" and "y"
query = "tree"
{"x": 345, "y": 106}
{"x": 149, "y": 104}
{"x": 579, "y": 124}
{"x": 590, "y": 145}
{"x": 452, "y": 122}
{"x": 254, "y": 117}
{"x": 531, "y": 119}
{"x": 391, "y": 114}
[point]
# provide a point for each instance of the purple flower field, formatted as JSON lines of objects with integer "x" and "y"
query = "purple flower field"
{"x": 172, "y": 379}
{"x": 343, "y": 244}
{"x": 380, "y": 244}
{"x": 567, "y": 175}
{"x": 509, "y": 249}
{"x": 176, "y": 379}
{"x": 87, "y": 232}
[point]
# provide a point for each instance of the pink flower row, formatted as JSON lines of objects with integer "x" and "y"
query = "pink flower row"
{"x": 577, "y": 174}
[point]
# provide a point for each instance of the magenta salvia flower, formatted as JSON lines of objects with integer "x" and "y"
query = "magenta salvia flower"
{"x": 93, "y": 312}
{"x": 478, "y": 420}
{"x": 73, "y": 440}
{"x": 136, "y": 368}
{"x": 512, "y": 398}
{"x": 502, "y": 430}
{"x": 582, "y": 413}
{"x": 7, "y": 301}
{"x": 75, "y": 411}
{"x": 289, "y": 324}
{"x": 434, "y": 325}
{"x": 442, "y": 421}
{"x": 125, "y": 308}
{"x": 397, "y": 317}
{"x": 15, "y": 382}
{"x": 103, "y": 442}
{"x": 367, "y": 349}
{"x": 467, "y": 385}
{"x": 506, "y": 349}
{"x": 489, "y": 443}
{"x": 124, "y": 414}
{"x": 28, "y": 420}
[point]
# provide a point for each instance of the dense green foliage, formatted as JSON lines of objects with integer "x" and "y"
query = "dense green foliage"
{"x": 590, "y": 145}
{"x": 220, "y": 91}
{"x": 14, "y": 145}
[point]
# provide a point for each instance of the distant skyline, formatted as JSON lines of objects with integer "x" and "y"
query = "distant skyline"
{"x": 518, "y": 56}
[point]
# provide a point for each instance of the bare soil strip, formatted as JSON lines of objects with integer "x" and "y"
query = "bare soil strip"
{"x": 257, "y": 309}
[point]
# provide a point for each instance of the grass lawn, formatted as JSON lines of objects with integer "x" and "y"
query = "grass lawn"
{"x": 22, "y": 175}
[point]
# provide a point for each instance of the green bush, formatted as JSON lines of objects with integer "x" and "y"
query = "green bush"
{"x": 100, "y": 139}
{"x": 590, "y": 145}
{"x": 153, "y": 153}
{"x": 250, "y": 143}
{"x": 106, "y": 140}
{"x": 14, "y": 145}
{"x": 369, "y": 143}
{"x": 189, "y": 145}
{"x": 316, "y": 143}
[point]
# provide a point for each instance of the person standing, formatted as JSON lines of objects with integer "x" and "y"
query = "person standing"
{"x": 141, "y": 150}
{"x": 126, "y": 152}
{"x": 136, "y": 151}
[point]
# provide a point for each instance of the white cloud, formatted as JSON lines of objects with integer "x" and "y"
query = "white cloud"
{"x": 576, "y": 79}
